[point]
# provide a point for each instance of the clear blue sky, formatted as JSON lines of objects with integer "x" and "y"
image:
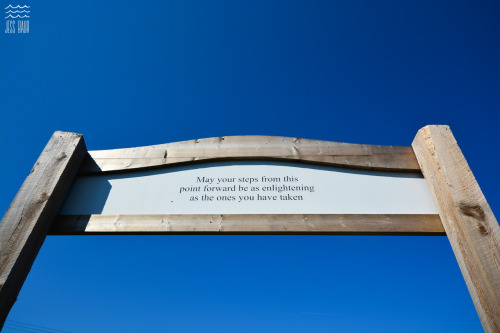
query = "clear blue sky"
{"x": 134, "y": 73}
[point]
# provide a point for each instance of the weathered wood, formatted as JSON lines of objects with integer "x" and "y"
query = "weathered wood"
{"x": 29, "y": 217}
{"x": 362, "y": 224}
{"x": 386, "y": 158}
{"x": 469, "y": 222}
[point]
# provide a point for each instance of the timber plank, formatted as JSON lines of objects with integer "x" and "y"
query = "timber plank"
{"x": 257, "y": 224}
{"x": 30, "y": 215}
{"x": 348, "y": 155}
{"x": 470, "y": 225}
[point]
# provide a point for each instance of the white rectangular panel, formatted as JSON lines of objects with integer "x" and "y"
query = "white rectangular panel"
{"x": 250, "y": 188}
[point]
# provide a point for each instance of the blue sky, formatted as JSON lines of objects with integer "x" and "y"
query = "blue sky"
{"x": 128, "y": 73}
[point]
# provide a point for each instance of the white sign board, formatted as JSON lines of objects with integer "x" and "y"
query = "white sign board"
{"x": 250, "y": 188}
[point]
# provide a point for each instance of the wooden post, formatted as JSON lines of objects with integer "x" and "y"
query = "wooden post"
{"x": 31, "y": 213}
{"x": 467, "y": 218}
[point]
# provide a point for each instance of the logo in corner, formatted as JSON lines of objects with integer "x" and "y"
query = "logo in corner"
{"x": 17, "y": 19}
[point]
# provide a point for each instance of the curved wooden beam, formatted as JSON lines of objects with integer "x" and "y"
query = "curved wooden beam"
{"x": 338, "y": 154}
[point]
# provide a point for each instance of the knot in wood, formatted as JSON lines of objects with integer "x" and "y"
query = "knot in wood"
{"x": 474, "y": 211}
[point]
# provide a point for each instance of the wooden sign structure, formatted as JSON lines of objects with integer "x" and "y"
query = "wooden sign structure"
{"x": 459, "y": 209}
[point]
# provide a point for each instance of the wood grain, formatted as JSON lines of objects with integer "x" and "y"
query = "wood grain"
{"x": 359, "y": 156}
{"x": 29, "y": 217}
{"x": 360, "y": 224}
{"x": 469, "y": 222}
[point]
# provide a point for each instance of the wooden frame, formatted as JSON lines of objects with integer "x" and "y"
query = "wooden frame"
{"x": 464, "y": 215}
